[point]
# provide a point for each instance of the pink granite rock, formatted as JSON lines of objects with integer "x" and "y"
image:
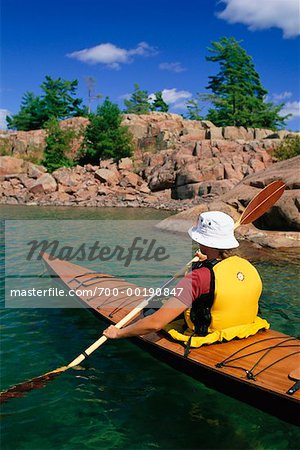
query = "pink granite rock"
{"x": 44, "y": 184}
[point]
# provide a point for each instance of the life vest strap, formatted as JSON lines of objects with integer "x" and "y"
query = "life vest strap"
{"x": 201, "y": 308}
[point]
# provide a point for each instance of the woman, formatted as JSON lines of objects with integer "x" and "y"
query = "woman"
{"x": 219, "y": 298}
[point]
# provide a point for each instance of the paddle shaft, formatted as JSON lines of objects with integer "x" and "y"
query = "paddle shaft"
{"x": 120, "y": 324}
{"x": 103, "y": 339}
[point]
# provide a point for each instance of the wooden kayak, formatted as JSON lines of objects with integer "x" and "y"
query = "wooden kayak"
{"x": 254, "y": 370}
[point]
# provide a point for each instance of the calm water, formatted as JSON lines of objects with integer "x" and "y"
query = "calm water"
{"x": 125, "y": 399}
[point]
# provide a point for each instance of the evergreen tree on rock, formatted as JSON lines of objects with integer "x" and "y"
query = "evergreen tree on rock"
{"x": 58, "y": 101}
{"x": 32, "y": 114}
{"x": 105, "y": 137}
{"x": 58, "y": 144}
{"x": 237, "y": 95}
{"x": 193, "y": 109}
{"x": 60, "y": 98}
{"x": 158, "y": 103}
{"x": 138, "y": 103}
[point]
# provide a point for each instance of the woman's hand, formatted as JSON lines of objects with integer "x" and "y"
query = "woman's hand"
{"x": 112, "y": 332}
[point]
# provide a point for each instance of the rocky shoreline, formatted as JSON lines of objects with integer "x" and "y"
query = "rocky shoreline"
{"x": 107, "y": 185}
{"x": 178, "y": 165}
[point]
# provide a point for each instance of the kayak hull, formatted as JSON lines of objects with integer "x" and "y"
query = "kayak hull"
{"x": 267, "y": 392}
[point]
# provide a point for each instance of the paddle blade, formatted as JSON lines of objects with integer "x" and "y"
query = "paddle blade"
{"x": 262, "y": 202}
{"x": 19, "y": 390}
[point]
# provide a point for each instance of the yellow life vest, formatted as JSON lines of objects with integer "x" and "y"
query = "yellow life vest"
{"x": 234, "y": 310}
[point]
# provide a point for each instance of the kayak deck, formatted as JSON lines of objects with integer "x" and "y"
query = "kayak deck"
{"x": 268, "y": 357}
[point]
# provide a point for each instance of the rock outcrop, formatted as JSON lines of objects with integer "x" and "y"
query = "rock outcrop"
{"x": 278, "y": 228}
{"x": 151, "y": 132}
{"x": 177, "y": 158}
{"x": 108, "y": 184}
{"x": 203, "y": 168}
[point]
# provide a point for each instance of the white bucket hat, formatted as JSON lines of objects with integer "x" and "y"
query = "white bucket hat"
{"x": 214, "y": 229}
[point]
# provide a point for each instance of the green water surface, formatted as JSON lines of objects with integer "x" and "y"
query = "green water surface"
{"x": 123, "y": 398}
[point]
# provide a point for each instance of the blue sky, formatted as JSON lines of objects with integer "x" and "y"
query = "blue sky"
{"x": 160, "y": 44}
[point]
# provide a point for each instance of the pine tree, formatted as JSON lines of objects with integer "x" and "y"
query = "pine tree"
{"x": 58, "y": 143}
{"x": 32, "y": 114}
{"x": 58, "y": 100}
{"x": 193, "y": 110}
{"x": 237, "y": 93}
{"x": 105, "y": 137}
{"x": 138, "y": 102}
{"x": 158, "y": 103}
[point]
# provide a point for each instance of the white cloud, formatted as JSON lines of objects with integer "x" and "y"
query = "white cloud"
{"x": 263, "y": 14}
{"x": 112, "y": 56}
{"x": 172, "y": 67}
{"x": 282, "y": 96}
{"x": 291, "y": 108}
{"x": 176, "y": 99}
{"x": 172, "y": 96}
{"x": 179, "y": 105}
{"x": 3, "y": 114}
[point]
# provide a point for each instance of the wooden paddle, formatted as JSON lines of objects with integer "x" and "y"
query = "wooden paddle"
{"x": 295, "y": 376}
{"x": 261, "y": 203}
{"x": 256, "y": 208}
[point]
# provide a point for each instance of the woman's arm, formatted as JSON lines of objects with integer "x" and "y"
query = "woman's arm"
{"x": 154, "y": 322}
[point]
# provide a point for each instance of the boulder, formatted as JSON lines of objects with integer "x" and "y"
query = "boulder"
{"x": 107, "y": 176}
{"x": 129, "y": 197}
{"x": 130, "y": 179}
{"x": 66, "y": 176}
{"x": 34, "y": 171}
{"x": 203, "y": 150}
{"x": 10, "y": 165}
{"x": 214, "y": 133}
{"x": 234, "y": 133}
{"x": 231, "y": 172}
{"x": 257, "y": 165}
{"x": 103, "y": 190}
{"x": 144, "y": 188}
{"x": 188, "y": 174}
{"x": 63, "y": 197}
{"x": 44, "y": 185}
{"x": 86, "y": 194}
{"x": 215, "y": 188}
{"x": 283, "y": 170}
{"x": 125, "y": 164}
{"x": 261, "y": 133}
{"x": 91, "y": 168}
{"x": 108, "y": 164}
{"x": 192, "y": 135}
{"x": 186, "y": 191}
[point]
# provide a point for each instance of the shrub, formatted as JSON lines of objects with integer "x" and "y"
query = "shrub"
{"x": 105, "y": 137}
{"x": 289, "y": 148}
{"x": 58, "y": 143}
{"x": 4, "y": 150}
